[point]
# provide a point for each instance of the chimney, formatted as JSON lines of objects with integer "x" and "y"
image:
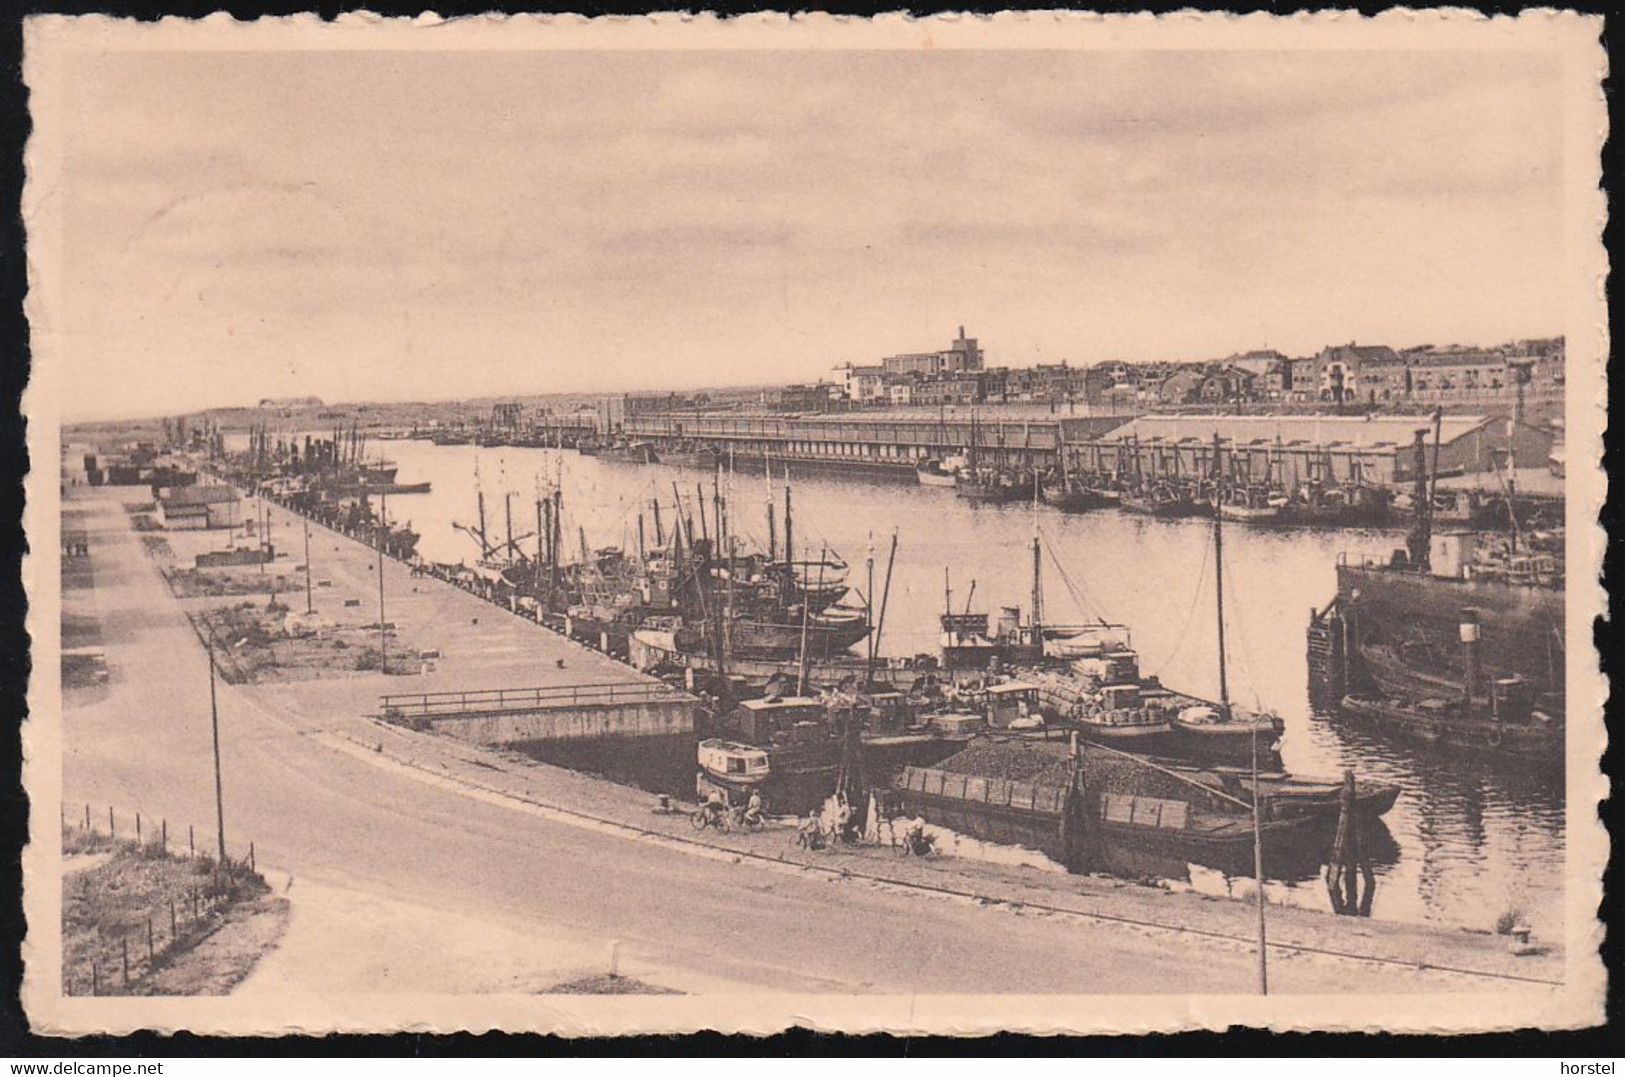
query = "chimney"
{"x": 1471, "y": 672}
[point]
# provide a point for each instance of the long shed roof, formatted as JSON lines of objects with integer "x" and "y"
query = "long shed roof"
{"x": 1373, "y": 432}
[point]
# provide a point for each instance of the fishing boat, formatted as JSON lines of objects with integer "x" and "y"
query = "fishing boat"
{"x": 826, "y": 633}
{"x": 1246, "y": 504}
{"x": 1074, "y": 496}
{"x": 1164, "y": 500}
{"x": 935, "y": 473}
{"x": 993, "y": 486}
{"x": 980, "y": 483}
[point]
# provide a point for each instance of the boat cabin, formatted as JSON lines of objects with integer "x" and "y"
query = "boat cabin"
{"x": 889, "y": 712}
{"x": 1010, "y": 703}
{"x": 965, "y": 641}
{"x": 735, "y": 763}
{"x": 760, "y": 720}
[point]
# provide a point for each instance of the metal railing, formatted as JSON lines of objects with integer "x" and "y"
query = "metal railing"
{"x": 518, "y": 700}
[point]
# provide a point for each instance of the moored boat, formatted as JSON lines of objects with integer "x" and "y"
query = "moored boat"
{"x": 1073, "y": 496}
{"x": 1203, "y": 732}
{"x": 1246, "y": 505}
{"x": 993, "y": 486}
{"x": 934, "y": 473}
{"x": 1448, "y": 723}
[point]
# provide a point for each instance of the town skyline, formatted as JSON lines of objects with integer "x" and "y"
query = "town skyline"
{"x": 819, "y": 380}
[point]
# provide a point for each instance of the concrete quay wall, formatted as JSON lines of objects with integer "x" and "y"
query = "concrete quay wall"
{"x": 649, "y": 718}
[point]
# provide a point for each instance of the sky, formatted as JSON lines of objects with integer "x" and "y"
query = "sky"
{"x": 410, "y": 225}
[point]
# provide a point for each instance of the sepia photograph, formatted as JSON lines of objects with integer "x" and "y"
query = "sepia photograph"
{"x": 1040, "y": 523}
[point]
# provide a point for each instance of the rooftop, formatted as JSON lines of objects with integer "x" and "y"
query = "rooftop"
{"x": 216, "y": 494}
{"x": 1356, "y": 431}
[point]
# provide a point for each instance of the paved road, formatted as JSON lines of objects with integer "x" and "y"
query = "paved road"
{"x": 342, "y": 824}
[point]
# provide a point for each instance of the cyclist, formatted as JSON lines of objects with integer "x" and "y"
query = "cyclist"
{"x": 715, "y": 805}
{"x": 753, "y": 809}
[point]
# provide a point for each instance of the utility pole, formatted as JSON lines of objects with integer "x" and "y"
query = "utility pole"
{"x": 214, "y": 725}
{"x": 383, "y": 638}
{"x": 310, "y": 598}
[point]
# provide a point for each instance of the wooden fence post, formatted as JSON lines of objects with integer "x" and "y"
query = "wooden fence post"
{"x": 110, "y": 830}
{"x": 163, "y": 834}
{"x": 87, "y": 816}
{"x": 251, "y": 866}
{"x": 95, "y": 979}
{"x": 191, "y": 845}
{"x": 138, "y": 828}
{"x": 174, "y": 927}
{"x": 149, "y": 941}
{"x": 124, "y": 951}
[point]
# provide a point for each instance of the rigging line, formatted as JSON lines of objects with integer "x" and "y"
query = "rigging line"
{"x": 1233, "y": 620}
{"x": 1086, "y": 604}
{"x": 1190, "y": 614}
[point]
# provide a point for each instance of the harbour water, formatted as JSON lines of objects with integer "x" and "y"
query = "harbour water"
{"x": 1471, "y": 843}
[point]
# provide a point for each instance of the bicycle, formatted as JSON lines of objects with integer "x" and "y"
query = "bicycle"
{"x": 703, "y": 818}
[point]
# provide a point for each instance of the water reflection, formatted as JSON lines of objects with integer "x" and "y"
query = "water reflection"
{"x": 1468, "y": 842}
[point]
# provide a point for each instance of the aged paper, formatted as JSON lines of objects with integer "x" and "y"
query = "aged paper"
{"x": 614, "y": 262}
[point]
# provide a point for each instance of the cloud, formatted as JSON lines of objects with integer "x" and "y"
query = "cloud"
{"x": 263, "y": 223}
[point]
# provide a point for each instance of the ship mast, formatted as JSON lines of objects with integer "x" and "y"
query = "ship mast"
{"x": 1218, "y": 580}
{"x": 1224, "y": 712}
{"x": 1038, "y": 594}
